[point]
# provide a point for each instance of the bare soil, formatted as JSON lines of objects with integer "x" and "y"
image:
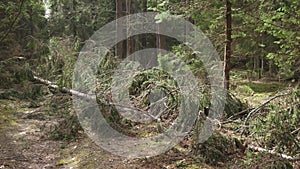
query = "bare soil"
{"x": 24, "y": 144}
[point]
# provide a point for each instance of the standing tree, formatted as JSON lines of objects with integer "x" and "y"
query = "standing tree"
{"x": 129, "y": 38}
{"x": 144, "y": 37}
{"x": 228, "y": 46}
{"x": 119, "y": 14}
{"x": 136, "y": 38}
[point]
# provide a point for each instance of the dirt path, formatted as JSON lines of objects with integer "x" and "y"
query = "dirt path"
{"x": 22, "y": 143}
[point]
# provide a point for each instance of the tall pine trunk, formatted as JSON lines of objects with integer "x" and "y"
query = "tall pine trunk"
{"x": 119, "y": 14}
{"x": 129, "y": 38}
{"x": 228, "y": 45}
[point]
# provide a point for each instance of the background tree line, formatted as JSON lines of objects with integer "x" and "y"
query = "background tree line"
{"x": 265, "y": 36}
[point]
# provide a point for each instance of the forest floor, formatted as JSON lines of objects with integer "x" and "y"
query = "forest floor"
{"x": 25, "y": 142}
{"x": 22, "y": 142}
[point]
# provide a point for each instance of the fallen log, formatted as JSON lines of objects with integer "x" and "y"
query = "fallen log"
{"x": 89, "y": 97}
{"x": 260, "y": 149}
{"x": 64, "y": 89}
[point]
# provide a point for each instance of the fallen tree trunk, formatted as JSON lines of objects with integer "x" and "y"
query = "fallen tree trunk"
{"x": 63, "y": 89}
{"x": 88, "y": 97}
{"x": 259, "y": 149}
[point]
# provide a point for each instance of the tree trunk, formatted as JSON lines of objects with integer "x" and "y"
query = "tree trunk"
{"x": 74, "y": 6}
{"x": 254, "y": 67}
{"x": 31, "y": 23}
{"x": 161, "y": 40}
{"x": 228, "y": 45}
{"x": 187, "y": 3}
{"x": 136, "y": 38}
{"x": 119, "y": 14}
{"x": 262, "y": 57}
{"x": 129, "y": 38}
{"x": 144, "y": 36}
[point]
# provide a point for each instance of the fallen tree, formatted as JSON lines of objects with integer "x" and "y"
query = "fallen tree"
{"x": 260, "y": 149}
{"x": 63, "y": 89}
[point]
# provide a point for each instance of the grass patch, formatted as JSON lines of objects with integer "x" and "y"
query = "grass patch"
{"x": 256, "y": 92}
{"x": 264, "y": 87}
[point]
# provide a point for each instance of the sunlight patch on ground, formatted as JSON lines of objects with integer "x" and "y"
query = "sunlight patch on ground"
{"x": 255, "y": 92}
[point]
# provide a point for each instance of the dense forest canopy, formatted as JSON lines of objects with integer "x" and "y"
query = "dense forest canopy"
{"x": 265, "y": 33}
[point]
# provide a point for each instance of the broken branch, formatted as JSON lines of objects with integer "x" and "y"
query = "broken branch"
{"x": 251, "y": 113}
{"x": 255, "y": 148}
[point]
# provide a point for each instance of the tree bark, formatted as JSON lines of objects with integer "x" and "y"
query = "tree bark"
{"x": 228, "y": 45}
{"x": 74, "y": 8}
{"x": 119, "y": 13}
{"x": 285, "y": 156}
{"x": 161, "y": 40}
{"x": 136, "y": 38}
{"x": 129, "y": 38}
{"x": 144, "y": 36}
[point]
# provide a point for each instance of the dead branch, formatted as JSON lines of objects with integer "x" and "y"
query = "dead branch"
{"x": 241, "y": 113}
{"x": 233, "y": 118}
{"x": 251, "y": 113}
{"x": 295, "y": 131}
{"x": 259, "y": 149}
